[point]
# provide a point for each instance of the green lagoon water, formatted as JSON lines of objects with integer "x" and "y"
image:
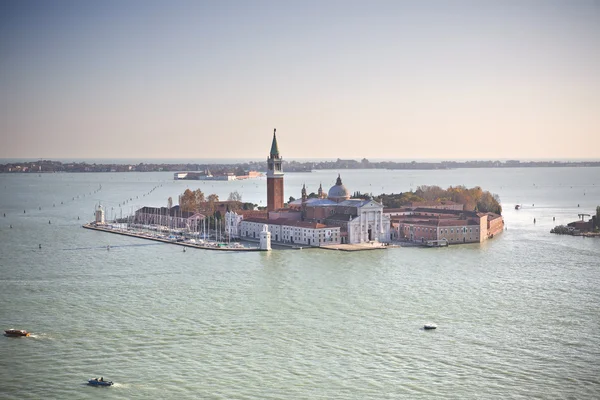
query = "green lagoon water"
{"x": 518, "y": 316}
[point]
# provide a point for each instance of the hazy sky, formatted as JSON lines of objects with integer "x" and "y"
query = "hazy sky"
{"x": 377, "y": 79}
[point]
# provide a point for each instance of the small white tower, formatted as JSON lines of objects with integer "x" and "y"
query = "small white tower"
{"x": 99, "y": 215}
{"x": 265, "y": 238}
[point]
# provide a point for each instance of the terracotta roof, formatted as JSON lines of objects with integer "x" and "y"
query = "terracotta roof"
{"x": 390, "y": 210}
{"x": 493, "y": 216}
{"x": 433, "y": 203}
{"x": 304, "y": 224}
{"x": 453, "y": 212}
{"x": 252, "y": 213}
{"x": 257, "y": 219}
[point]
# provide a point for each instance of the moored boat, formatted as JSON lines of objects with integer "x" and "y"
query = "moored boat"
{"x": 16, "y": 332}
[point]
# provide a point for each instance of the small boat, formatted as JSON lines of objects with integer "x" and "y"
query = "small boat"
{"x": 99, "y": 382}
{"x": 16, "y": 332}
{"x": 429, "y": 327}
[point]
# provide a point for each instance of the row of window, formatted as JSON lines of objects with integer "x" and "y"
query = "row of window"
{"x": 286, "y": 232}
{"x": 458, "y": 230}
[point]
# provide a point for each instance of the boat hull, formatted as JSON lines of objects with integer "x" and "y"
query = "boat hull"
{"x": 94, "y": 382}
{"x": 16, "y": 333}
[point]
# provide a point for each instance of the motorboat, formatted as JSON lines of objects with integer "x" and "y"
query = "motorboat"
{"x": 429, "y": 327}
{"x": 99, "y": 382}
{"x": 16, "y": 332}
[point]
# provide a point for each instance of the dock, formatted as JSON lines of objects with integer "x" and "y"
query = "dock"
{"x": 163, "y": 240}
{"x": 357, "y": 246}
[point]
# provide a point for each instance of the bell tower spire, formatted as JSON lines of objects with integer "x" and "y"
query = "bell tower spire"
{"x": 274, "y": 147}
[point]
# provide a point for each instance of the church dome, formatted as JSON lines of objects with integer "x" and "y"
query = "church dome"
{"x": 338, "y": 192}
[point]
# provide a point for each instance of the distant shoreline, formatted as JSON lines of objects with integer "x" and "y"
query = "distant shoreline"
{"x": 49, "y": 166}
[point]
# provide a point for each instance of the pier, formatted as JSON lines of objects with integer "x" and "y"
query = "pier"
{"x": 357, "y": 246}
{"x": 203, "y": 246}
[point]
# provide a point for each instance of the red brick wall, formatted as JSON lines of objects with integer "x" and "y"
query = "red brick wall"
{"x": 495, "y": 226}
{"x": 274, "y": 193}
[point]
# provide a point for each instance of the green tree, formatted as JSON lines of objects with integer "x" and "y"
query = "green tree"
{"x": 249, "y": 206}
{"x": 234, "y": 196}
{"x": 239, "y": 171}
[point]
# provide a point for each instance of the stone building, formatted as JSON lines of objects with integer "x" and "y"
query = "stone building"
{"x": 453, "y": 226}
{"x": 291, "y": 232}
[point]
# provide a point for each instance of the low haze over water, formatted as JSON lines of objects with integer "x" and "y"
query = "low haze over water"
{"x": 517, "y": 315}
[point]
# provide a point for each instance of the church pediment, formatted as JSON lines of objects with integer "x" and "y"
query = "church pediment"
{"x": 371, "y": 204}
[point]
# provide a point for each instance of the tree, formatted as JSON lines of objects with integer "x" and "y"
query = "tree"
{"x": 211, "y": 200}
{"x": 430, "y": 193}
{"x": 486, "y": 203}
{"x": 473, "y": 199}
{"x": 187, "y": 201}
{"x": 249, "y": 206}
{"x": 292, "y": 199}
{"x": 497, "y": 205}
{"x": 191, "y": 201}
{"x": 235, "y": 196}
{"x": 198, "y": 197}
{"x": 239, "y": 171}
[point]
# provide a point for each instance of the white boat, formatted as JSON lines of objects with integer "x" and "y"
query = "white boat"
{"x": 429, "y": 327}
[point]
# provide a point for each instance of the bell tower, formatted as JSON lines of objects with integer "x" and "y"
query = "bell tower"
{"x": 274, "y": 177}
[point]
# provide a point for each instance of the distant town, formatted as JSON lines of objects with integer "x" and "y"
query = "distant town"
{"x": 242, "y": 169}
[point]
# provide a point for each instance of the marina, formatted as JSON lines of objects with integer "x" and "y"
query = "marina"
{"x": 164, "y": 238}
